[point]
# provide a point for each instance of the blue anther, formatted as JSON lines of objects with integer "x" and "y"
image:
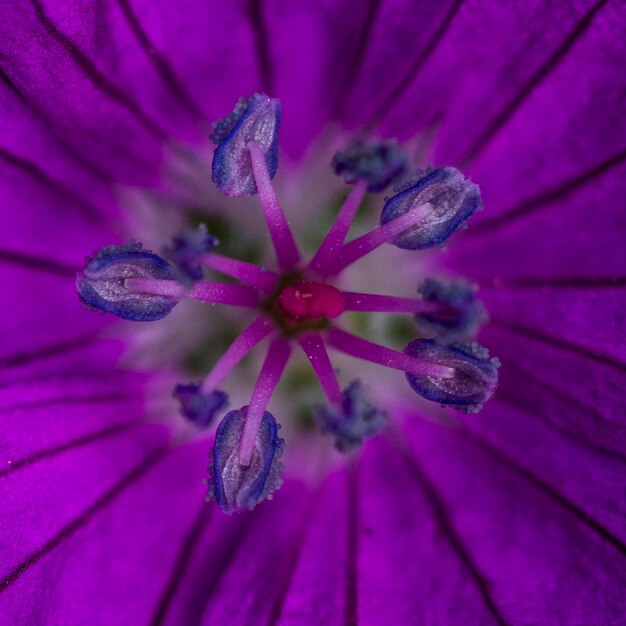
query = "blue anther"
{"x": 475, "y": 375}
{"x": 459, "y": 314}
{"x": 187, "y": 250}
{"x": 198, "y": 407}
{"x": 450, "y": 199}
{"x": 379, "y": 163}
{"x": 353, "y": 421}
{"x": 237, "y": 487}
{"x": 254, "y": 119}
{"x": 101, "y": 285}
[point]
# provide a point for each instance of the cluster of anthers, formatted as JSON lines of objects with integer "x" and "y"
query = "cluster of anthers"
{"x": 298, "y": 304}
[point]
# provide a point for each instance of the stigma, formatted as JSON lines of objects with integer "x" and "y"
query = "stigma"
{"x": 310, "y": 300}
{"x": 296, "y": 304}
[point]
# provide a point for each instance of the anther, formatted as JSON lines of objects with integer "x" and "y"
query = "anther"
{"x": 255, "y": 119}
{"x": 102, "y": 285}
{"x": 457, "y": 313}
{"x": 233, "y": 484}
{"x": 450, "y": 198}
{"x": 378, "y": 163}
{"x": 354, "y": 419}
{"x": 475, "y": 375}
{"x": 199, "y": 407}
{"x": 189, "y": 248}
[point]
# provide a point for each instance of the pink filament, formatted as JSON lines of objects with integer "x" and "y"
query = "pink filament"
{"x": 253, "y": 275}
{"x": 315, "y": 350}
{"x": 367, "y": 243}
{"x": 235, "y": 295}
{"x": 389, "y": 304}
{"x": 284, "y": 243}
{"x": 368, "y": 351}
{"x": 270, "y": 374}
{"x": 329, "y": 249}
{"x": 247, "y": 340}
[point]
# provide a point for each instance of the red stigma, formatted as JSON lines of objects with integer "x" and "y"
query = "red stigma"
{"x": 308, "y": 300}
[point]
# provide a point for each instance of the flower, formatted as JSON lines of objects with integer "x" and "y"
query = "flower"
{"x": 511, "y": 515}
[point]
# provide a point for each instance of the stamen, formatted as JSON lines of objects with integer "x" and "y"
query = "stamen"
{"x": 378, "y": 163}
{"x": 475, "y": 375}
{"x": 385, "y": 233}
{"x": 284, "y": 243}
{"x": 270, "y": 374}
{"x": 452, "y": 199}
{"x": 315, "y": 350}
{"x": 247, "y": 340}
{"x": 222, "y": 293}
{"x": 371, "y": 303}
{"x": 349, "y": 417}
{"x": 256, "y": 119}
{"x": 309, "y": 300}
{"x": 188, "y": 249}
{"x": 368, "y": 351}
{"x": 233, "y": 484}
{"x": 333, "y": 242}
{"x": 253, "y": 275}
{"x": 201, "y": 402}
{"x": 351, "y": 420}
{"x": 455, "y": 311}
{"x": 102, "y": 284}
{"x": 199, "y": 408}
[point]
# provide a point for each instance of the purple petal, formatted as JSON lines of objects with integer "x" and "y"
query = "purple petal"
{"x": 527, "y": 542}
{"x": 74, "y": 480}
{"x": 270, "y": 545}
{"x": 580, "y": 396}
{"x": 594, "y": 319}
{"x": 113, "y": 589}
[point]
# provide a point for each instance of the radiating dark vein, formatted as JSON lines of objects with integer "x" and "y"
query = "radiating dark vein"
{"x": 80, "y": 159}
{"x": 185, "y": 554}
{"x": 530, "y": 85}
{"x": 68, "y": 445}
{"x": 32, "y": 169}
{"x": 569, "y": 282}
{"x": 99, "y": 80}
{"x": 106, "y": 499}
{"x": 545, "y": 198}
{"x": 294, "y": 551}
{"x": 46, "y": 352}
{"x": 394, "y": 96}
{"x": 50, "y": 266}
{"x": 351, "y": 615}
{"x": 584, "y": 518}
{"x": 356, "y": 59}
{"x": 558, "y": 343}
{"x": 577, "y": 438}
{"x": 590, "y": 411}
{"x": 96, "y": 398}
{"x": 163, "y": 67}
{"x": 222, "y": 555}
{"x": 445, "y": 524}
{"x": 263, "y": 55}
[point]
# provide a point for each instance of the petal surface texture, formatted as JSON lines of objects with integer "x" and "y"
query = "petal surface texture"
{"x": 514, "y": 515}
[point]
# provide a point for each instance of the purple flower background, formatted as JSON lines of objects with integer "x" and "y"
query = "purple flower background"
{"x": 511, "y": 516}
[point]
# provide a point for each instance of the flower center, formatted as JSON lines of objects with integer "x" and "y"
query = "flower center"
{"x": 310, "y": 300}
{"x": 292, "y": 311}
